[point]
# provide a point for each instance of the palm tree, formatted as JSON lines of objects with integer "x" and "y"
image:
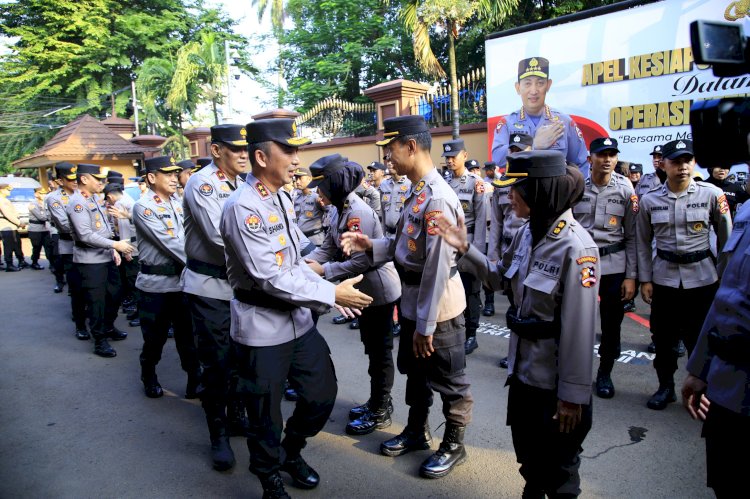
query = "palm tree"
{"x": 448, "y": 16}
{"x": 278, "y": 16}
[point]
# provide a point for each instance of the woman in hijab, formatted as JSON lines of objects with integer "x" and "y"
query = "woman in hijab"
{"x": 552, "y": 265}
{"x": 336, "y": 180}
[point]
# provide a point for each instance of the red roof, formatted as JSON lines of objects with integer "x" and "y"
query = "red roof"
{"x": 84, "y": 138}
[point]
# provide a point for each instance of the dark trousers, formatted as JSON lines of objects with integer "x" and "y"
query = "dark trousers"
{"x": 211, "y": 323}
{"x": 11, "y": 244}
{"x": 41, "y": 240}
{"x": 157, "y": 312}
{"x": 472, "y": 288}
{"x": 58, "y": 266}
{"x": 376, "y": 333}
{"x": 443, "y": 371}
{"x": 306, "y": 362}
{"x": 727, "y": 435}
{"x": 128, "y": 275}
{"x": 611, "y": 312}
{"x": 677, "y": 314}
{"x": 100, "y": 287}
{"x": 77, "y": 301}
{"x": 549, "y": 459}
{"x": 489, "y": 296}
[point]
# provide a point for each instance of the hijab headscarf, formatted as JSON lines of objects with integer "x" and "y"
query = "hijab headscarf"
{"x": 340, "y": 178}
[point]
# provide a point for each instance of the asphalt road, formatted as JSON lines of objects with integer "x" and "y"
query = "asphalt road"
{"x": 76, "y": 425}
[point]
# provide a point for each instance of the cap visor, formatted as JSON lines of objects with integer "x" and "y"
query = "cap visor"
{"x": 385, "y": 141}
{"x": 298, "y": 141}
{"x": 169, "y": 169}
{"x": 506, "y": 181}
{"x": 533, "y": 73}
{"x": 677, "y": 154}
{"x": 236, "y": 143}
{"x": 606, "y": 149}
{"x": 69, "y": 177}
{"x": 100, "y": 176}
{"x": 450, "y": 154}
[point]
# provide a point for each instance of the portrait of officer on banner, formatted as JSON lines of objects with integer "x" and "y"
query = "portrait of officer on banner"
{"x": 549, "y": 128}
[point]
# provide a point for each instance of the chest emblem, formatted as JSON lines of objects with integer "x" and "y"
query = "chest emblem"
{"x": 252, "y": 222}
{"x": 412, "y": 245}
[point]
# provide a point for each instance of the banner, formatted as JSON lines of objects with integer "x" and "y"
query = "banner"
{"x": 628, "y": 74}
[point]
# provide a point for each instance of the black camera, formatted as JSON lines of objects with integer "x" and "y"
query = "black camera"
{"x": 721, "y": 127}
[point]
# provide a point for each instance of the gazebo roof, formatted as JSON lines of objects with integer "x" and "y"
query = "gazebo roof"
{"x": 84, "y": 138}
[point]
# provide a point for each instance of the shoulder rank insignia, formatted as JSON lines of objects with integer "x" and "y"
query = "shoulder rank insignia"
{"x": 559, "y": 227}
{"x": 419, "y": 186}
{"x": 261, "y": 189}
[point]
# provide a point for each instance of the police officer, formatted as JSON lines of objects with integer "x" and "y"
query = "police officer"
{"x": 503, "y": 220}
{"x": 96, "y": 256}
{"x": 550, "y": 129}
{"x": 719, "y": 368}
{"x": 161, "y": 243}
{"x": 553, "y": 267}
{"x": 635, "y": 173}
{"x": 204, "y": 280}
{"x": 735, "y": 194}
{"x": 272, "y": 328}
{"x": 470, "y": 191}
{"x": 336, "y": 180}
{"x": 9, "y": 225}
{"x": 307, "y": 207}
{"x": 120, "y": 209}
{"x": 490, "y": 169}
{"x": 187, "y": 168}
{"x": 608, "y": 212}
{"x": 370, "y": 194}
{"x": 655, "y": 178}
{"x": 678, "y": 216}
{"x": 38, "y": 230}
{"x": 57, "y": 204}
{"x": 432, "y": 325}
{"x": 57, "y": 264}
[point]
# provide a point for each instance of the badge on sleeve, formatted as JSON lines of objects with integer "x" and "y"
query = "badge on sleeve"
{"x": 634, "y": 202}
{"x": 353, "y": 225}
{"x": 252, "y": 222}
{"x": 206, "y": 189}
{"x": 432, "y": 221}
{"x": 588, "y": 277}
{"x": 479, "y": 187}
{"x": 279, "y": 258}
{"x": 78, "y": 208}
{"x": 586, "y": 259}
{"x": 147, "y": 212}
{"x": 55, "y": 204}
{"x": 723, "y": 204}
{"x": 500, "y": 123}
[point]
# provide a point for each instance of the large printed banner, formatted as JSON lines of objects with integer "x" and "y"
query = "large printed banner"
{"x": 629, "y": 74}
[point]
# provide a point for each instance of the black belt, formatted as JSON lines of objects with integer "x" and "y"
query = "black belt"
{"x": 734, "y": 349}
{"x": 612, "y": 248}
{"x": 312, "y": 232}
{"x": 37, "y": 223}
{"x": 66, "y": 236}
{"x": 531, "y": 328}
{"x": 391, "y": 231}
{"x": 209, "y": 269}
{"x": 169, "y": 269}
{"x": 258, "y": 298}
{"x": 81, "y": 244}
{"x": 507, "y": 240}
{"x": 132, "y": 239}
{"x": 411, "y": 278}
{"x": 683, "y": 258}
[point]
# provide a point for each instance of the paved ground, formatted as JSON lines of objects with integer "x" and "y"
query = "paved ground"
{"x": 76, "y": 425}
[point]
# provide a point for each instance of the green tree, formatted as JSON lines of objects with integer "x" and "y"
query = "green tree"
{"x": 278, "y": 14}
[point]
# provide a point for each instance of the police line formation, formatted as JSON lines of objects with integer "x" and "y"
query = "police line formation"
{"x": 404, "y": 252}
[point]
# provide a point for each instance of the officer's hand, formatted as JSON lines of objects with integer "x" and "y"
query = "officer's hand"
{"x": 627, "y": 290}
{"x": 116, "y": 258}
{"x": 348, "y": 296}
{"x": 349, "y": 313}
{"x": 693, "y": 399}
{"x": 647, "y": 292}
{"x": 315, "y": 266}
{"x": 123, "y": 247}
{"x": 568, "y": 414}
{"x": 118, "y": 212}
{"x": 352, "y": 242}
{"x": 128, "y": 257}
{"x": 422, "y": 345}
{"x": 547, "y": 135}
{"x": 454, "y": 235}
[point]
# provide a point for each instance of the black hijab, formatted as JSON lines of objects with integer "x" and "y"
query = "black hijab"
{"x": 340, "y": 178}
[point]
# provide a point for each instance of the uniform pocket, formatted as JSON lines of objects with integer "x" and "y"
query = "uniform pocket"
{"x": 613, "y": 216}
{"x": 697, "y": 221}
{"x": 542, "y": 283}
{"x": 660, "y": 217}
{"x": 414, "y": 242}
{"x": 582, "y": 208}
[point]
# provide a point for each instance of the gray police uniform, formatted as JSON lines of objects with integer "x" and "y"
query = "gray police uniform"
{"x": 57, "y": 203}
{"x": 272, "y": 323}
{"x": 609, "y": 213}
{"x": 370, "y": 195}
{"x": 721, "y": 358}
{"x": 392, "y": 197}
{"x": 683, "y": 272}
{"x": 125, "y": 231}
{"x": 553, "y": 324}
{"x": 39, "y": 233}
{"x": 432, "y": 302}
{"x": 648, "y": 182}
{"x": 161, "y": 244}
{"x": 93, "y": 261}
{"x": 470, "y": 191}
{"x": 380, "y": 282}
{"x": 309, "y": 214}
{"x": 571, "y": 144}
{"x": 204, "y": 279}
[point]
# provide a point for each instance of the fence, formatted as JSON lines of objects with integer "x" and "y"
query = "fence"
{"x": 435, "y": 106}
{"x": 333, "y": 118}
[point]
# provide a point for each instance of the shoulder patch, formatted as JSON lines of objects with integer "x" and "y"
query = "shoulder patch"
{"x": 353, "y": 224}
{"x": 586, "y": 259}
{"x": 78, "y": 208}
{"x": 55, "y": 204}
{"x": 147, "y": 212}
{"x": 723, "y": 204}
{"x": 252, "y": 222}
{"x": 588, "y": 277}
{"x": 634, "y": 203}
{"x": 432, "y": 218}
{"x": 500, "y": 123}
{"x": 479, "y": 187}
{"x": 206, "y": 189}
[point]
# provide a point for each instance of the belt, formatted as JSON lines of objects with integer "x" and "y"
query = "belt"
{"x": 258, "y": 298}
{"x": 411, "y": 278}
{"x": 209, "y": 269}
{"x": 612, "y": 248}
{"x": 507, "y": 240}
{"x": 169, "y": 269}
{"x": 388, "y": 230}
{"x": 531, "y": 328}
{"x": 36, "y": 222}
{"x": 81, "y": 244}
{"x": 66, "y": 236}
{"x": 734, "y": 349}
{"x": 311, "y": 233}
{"x": 692, "y": 257}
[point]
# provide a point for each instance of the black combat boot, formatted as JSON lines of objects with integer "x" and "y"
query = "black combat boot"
{"x": 273, "y": 487}
{"x": 303, "y": 476}
{"x": 151, "y": 385}
{"x": 102, "y": 347}
{"x": 115, "y": 334}
{"x": 409, "y": 440}
{"x": 375, "y": 419}
{"x": 360, "y": 410}
{"x": 238, "y": 422}
{"x": 604, "y": 387}
{"x": 470, "y": 345}
{"x": 451, "y": 453}
{"x": 663, "y": 396}
{"x": 193, "y": 381}
{"x": 221, "y": 452}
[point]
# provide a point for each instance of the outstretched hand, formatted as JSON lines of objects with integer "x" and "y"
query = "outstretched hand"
{"x": 349, "y": 296}
{"x": 454, "y": 235}
{"x": 352, "y": 242}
